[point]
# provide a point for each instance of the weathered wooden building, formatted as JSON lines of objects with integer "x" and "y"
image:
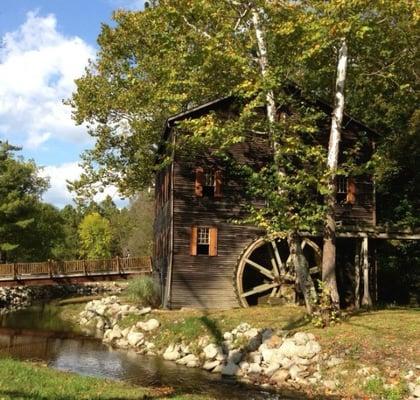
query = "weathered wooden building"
{"x": 204, "y": 260}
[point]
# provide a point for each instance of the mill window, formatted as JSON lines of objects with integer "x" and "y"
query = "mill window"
{"x": 346, "y": 190}
{"x": 203, "y": 241}
{"x": 208, "y": 182}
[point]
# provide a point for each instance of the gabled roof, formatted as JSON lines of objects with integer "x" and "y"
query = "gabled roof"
{"x": 293, "y": 89}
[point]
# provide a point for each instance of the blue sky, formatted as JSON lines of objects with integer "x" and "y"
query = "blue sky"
{"x": 45, "y": 46}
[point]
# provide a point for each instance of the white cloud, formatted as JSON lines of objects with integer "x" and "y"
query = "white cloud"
{"x": 38, "y": 66}
{"x": 128, "y": 4}
{"x": 58, "y": 193}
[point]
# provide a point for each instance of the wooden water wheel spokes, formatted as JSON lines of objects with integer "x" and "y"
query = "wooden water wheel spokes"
{"x": 263, "y": 269}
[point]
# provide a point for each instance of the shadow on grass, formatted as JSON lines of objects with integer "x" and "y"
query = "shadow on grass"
{"x": 15, "y": 394}
{"x": 213, "y": 328}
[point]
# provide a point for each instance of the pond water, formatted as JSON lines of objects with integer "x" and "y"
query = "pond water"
{"x": 37, "y": 333}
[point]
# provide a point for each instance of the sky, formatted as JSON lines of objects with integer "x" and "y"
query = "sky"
{"x": 45, "y": 46}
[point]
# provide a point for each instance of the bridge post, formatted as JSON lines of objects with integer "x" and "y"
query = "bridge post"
{"x": 50, "y": 268}
{"x": 14, "y": 271}
{"x": 85, "y": 267}
{"x": 118, "y": 265}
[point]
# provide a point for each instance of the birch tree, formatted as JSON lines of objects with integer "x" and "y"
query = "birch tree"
{"x": 329, "y": 248}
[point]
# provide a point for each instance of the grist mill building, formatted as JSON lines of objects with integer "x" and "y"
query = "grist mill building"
{"x": 204, "y": 260}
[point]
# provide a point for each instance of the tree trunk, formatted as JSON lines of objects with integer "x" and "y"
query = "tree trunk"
{"x": 357, "y": 275}
{"x": 297, "y": 258}
{"x": 366, "y": 300}
{"x": 300, "y": 265}
{"x": 329, "y": 248}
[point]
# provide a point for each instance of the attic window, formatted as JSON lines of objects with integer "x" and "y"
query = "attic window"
{"x": 208, "y": 182}
{"x": 203, "y": 241}
{"x": 346, "y": 190}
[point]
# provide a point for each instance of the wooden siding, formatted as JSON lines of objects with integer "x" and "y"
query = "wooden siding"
{"x": 207, "y": 281}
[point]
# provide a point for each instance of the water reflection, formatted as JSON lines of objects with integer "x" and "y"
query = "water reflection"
{"x": 27, "y": 338}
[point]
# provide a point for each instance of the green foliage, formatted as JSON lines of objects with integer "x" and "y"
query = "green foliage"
{"x": 324, "y": 314}
{"x": 95, "y": 237}
{"x": 144, "y": 291}
{"x": 22, "y": 216}
{"x": 375, "y": 386}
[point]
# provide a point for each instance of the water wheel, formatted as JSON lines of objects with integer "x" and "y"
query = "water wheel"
{"x": 262, "y": 272}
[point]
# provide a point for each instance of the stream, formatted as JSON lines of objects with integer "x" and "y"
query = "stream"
{"x": 38, "y": 334}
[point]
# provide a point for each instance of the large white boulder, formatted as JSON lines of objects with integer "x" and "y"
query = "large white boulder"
{"x": 135, "y": 338}
{"x": 189, "y": 360}
{"x": 149, "y": 325}
{"x": 172, "y": 353}
{"x": 211, "y": 351}
{"x": 230, "y": 369}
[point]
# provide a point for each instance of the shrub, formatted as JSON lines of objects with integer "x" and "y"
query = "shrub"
{"x": 144, "y": 290}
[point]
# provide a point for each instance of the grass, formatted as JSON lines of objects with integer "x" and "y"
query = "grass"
{"x": 26, "y": 381}
{"x": 386, "y": 340}
{"x": 143, "y": 290}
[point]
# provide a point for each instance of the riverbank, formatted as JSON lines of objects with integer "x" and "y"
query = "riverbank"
{"x": 22, "y": 381}
{"x": 371, "y": 354}
{"x": 20, "y": 297}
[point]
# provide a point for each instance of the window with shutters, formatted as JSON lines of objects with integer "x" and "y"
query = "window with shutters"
{"x": 346, "y": 190}
{"x": 208, "y": 182}
{"x": 203, "y": 241}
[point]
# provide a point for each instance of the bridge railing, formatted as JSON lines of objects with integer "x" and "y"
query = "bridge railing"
{"x": 53, "y": 269}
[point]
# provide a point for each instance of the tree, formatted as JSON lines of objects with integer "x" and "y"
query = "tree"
{"x": 95, "y": 237}
{"x": 177, "y": 54}
{"x": 20, "y": 191}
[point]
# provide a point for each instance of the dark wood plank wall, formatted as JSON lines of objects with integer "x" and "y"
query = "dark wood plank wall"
{"x": 206, "y": 281}
{"x": 162, "y": 225}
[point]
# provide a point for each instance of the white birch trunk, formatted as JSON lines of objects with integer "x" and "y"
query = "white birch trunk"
{"x": 366, "y": 299}
{"x": 297, "y": 258}
{"x": 329, "y": 248}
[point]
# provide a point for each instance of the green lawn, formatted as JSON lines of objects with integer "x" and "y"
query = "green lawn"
{"x": 27, "y": 381}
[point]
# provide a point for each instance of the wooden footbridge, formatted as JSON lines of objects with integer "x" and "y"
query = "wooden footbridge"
{"x": 77, "y": 271}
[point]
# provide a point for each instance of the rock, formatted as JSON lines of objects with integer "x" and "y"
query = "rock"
{"x": 217, "y": 369}
{"x": 285, "y": 362}
{"x": 266, "y": 334}
{"x": 334, "y": 361}
{"x": 114, "y": 333}
{"x": 311, "y": 349}
{"x": 135, "y": 338}
{"x": 416, "y": 391}
{"x": 149, "y": 325}
{"x": 273, "y": 342}
{"x": 211, "y": 351}
{"x": 273, "y": 367}
{"x": 209, "y": 365}
{"x": 228, "y": 336}
{"x": 230, "y": 369}
{"x": 251, "y": 333}
{"x": 172, "y": 353}
{"x": 101, "y": 309}
{"x": 289, "y": 348}
{"x": 189, "y": 360}
{"x": 329, "y": 384}
{"x": 244, "y": 366}
{"x": 100, "y": 325}
{"x": 254, "y": 368}
{"x": 122, "y": 343}
{"x": 301, "y": 338}
{"x": 280, "y": 376}
{"x": 144, "y": 310}
{"x": 296, "y": 372}
{"x": 255, "y": 357}
{"x": 235, "y": 356}
{"x": 243, "y": 327}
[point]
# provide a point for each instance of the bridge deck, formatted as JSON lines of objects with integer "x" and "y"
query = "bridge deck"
{"x": 53, "y": 272}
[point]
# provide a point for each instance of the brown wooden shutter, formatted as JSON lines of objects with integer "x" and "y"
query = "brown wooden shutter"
{"x": 218, "y": 183}
{"x": 213, "y": 242}
{"x": 351, "y": 191}
{"x": 193, "y": 242}
{"x": 199, "y": 181}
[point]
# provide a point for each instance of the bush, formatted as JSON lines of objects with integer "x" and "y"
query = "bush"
{"x": 144, "y": 291}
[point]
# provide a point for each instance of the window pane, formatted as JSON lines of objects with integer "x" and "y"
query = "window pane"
{"x": 203, "y": 236}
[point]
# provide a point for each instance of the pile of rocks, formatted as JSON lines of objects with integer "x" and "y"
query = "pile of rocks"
{"x": 256, "y": 355}
{"x": 104, "y": 314}
{"x": 18, "y": 297}
{"x": 260, "y": 356}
